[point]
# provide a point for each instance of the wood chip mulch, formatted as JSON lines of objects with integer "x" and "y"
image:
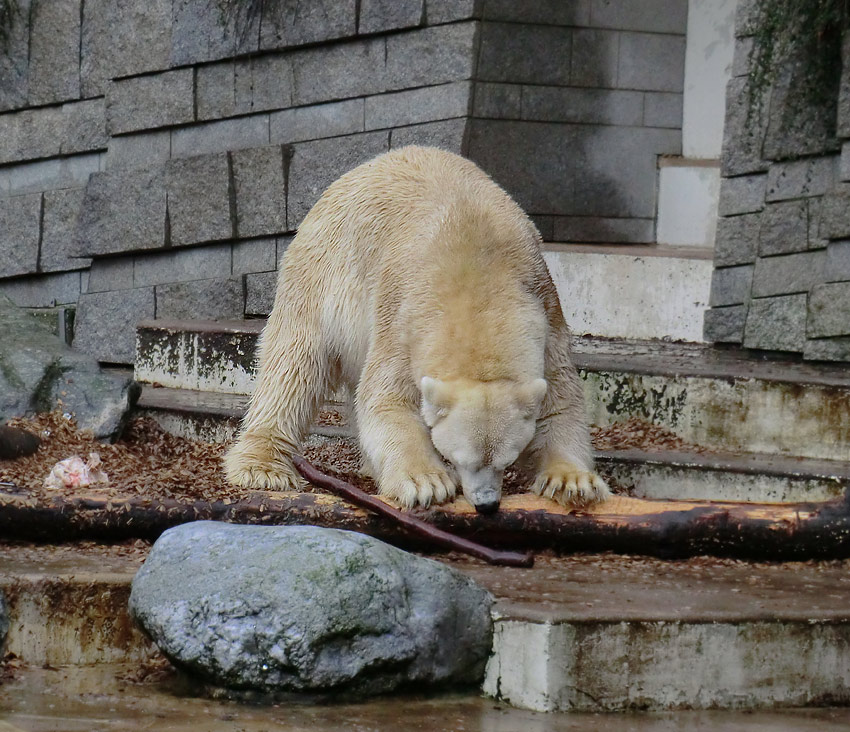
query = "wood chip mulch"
{"x": 148, "y": 462}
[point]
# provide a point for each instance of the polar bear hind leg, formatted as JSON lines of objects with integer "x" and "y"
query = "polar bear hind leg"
{"x": 293, "y": 379}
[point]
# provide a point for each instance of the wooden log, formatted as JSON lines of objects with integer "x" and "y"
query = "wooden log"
{"x": 624, "y": 525}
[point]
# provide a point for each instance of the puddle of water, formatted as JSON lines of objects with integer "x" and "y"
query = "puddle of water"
{"x": 95, "y": 699}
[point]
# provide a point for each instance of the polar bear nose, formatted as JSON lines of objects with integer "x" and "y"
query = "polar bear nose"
{"x": 487, "y": 508}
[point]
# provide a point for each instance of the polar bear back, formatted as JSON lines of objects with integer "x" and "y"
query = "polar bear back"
{"x": 421, "y": 248}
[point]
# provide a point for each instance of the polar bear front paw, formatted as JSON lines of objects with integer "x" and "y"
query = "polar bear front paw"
{"x": 424, "y": 488}
{"x": 253, "y": 463}
{"x": 569, "y": 485}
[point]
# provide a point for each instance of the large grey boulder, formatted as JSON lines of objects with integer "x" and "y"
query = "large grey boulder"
{"x": 306, "y": 609}
{"x": 37, "y": 371}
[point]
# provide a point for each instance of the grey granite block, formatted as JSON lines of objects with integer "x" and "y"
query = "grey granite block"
{"x": 829, "y": 310}
{"x": 219, "y": 299}
{"x": 731, "y": 285}
{"x": 43, "y": 291}
{"x": 796, "y": 126}
{"x": 743, "y": 133}
{"x": 595, "y": 58}
{"x": 653, "y": 16}
{"x": 533, "y": 54}
{"x": 746, "y": 18}
{"x": 54, "y": 53}
{"x": 59, "y": 224}
{"x": 113, "y": 273}
{"x": 784, "y": 228}
{"x": 44, "y": 175}
{"x": 215, "y": 90}
{"x": 662, "y": 109}
{"x": 744, "y": 194}
{"x": 105, "y": 325}
{"x": 377, "y": 16}
{"x": 586, "y": 106}
{"x": 838, "y": 261}
{"x": 555, "y": 12}
{"x": 776, "y": 323}
{"x": 497, "y": 101}
{"x": 293, "y": 22}
{"x": 448, "y": 11}
{"x": 448, "y": 134}
{"x": 260, "y": 290}
{"x": 319, "y": 120}
{"x": 725, "y": 325}
{"x": 598, "y": 229}
{"x": 147, "y": 102}
{"x": 741, "y": 57}
{"x": 14, "y": 63}
{"x": 736, "y": 240}
{"x": 337, "y": 71}
{"x": 615, "y": 169}
{"x": 651, "y": 62}
{"x": 254, "y": 255}
{"x": 827, "y": 349}
{"x": 220, "y": 136}
{"x": 31, "y": 134}
{"x": 835, "y": 213}
{"x": 271, "y": 82}
{"x": 315, "y": 165}
{"x": 801, "y": 178}
{"x": 199, "y": 201}
{"x": 20, "y": 218}
{"x": 122, "y": 39}
{"x": 202, "y": 30}
{"x": 182, "y": 265}
{"x": 414, "y": 106}
{"x": 843, "y": 110}
{"x": 430, "y": 56}
{"x": 123, "y": 211}
{"x": 84, "y": 126}
{"x": 260, "y": 190}
{"x": 789, "y": 273}
{"x": 143, "y": 150}
{"x": 535, "y": 162}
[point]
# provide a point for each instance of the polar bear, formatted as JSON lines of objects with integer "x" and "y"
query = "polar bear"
{"x": 416, "y": 281}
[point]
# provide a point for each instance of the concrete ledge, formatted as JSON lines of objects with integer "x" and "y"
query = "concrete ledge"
{"x": 573, "y": 634}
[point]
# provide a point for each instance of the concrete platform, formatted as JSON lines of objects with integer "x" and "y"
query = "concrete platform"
{"x": 726, "y": 400}
{"x": 584, "y": 633}
{"x": 627, "y": 291}
{"x": 710, "y": 476}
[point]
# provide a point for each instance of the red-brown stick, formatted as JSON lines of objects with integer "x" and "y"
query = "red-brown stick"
{"x": 413, "y": 524}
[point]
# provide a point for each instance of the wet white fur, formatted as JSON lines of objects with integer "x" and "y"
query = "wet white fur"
{"x": 414, "y": 266}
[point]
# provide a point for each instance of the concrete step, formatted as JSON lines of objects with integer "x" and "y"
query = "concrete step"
{"x": 723, "y": 399}
{"x": 578, "y": 634}
{"x": 631, "y": 291}
{"x": 655, "y": 473}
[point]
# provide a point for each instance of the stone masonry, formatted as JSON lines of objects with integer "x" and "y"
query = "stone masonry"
{"x": 782, "y": 254}
{"x": 156, "y": 156}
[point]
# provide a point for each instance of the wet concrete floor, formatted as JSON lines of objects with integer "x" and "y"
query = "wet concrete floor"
{"x": 97, "y": 700}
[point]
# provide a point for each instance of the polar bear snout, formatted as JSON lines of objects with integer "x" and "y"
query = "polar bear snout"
{"x": 482, "y": 488}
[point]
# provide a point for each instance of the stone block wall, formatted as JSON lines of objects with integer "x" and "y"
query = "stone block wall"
{"x": 156, "y": 156}
{"x": 782, "y": 253}
{"x": 587, "y": 96}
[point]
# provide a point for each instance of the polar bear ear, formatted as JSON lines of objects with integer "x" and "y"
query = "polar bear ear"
{"x": 431, "y": 390}
{"x": 435, "y": 400}
{"x": 531, "y": 395}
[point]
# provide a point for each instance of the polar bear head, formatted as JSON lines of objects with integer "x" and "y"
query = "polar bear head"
{"x": 481, "y": 427}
